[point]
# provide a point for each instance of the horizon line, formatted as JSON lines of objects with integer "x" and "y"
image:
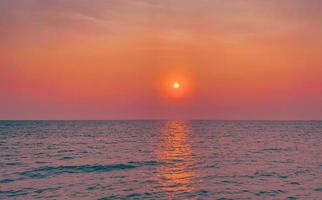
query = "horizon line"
{"x": 160, "y": 119}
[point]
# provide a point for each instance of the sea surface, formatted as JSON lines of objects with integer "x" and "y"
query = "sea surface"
{"x": 161, "y": 160}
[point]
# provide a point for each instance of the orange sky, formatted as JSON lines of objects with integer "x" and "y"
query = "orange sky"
{"x": 117, "y": 59}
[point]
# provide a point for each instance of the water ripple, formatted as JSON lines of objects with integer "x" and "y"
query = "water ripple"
{"x": 44, "y": 172}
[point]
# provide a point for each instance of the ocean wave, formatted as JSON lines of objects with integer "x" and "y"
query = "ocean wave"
{"x": 44, "y": 172}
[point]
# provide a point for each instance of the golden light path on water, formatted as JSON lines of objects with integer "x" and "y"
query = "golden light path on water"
{"x": 175, "y": 148}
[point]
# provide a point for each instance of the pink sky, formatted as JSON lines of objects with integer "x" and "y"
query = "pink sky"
{"x": 117, "y": 59}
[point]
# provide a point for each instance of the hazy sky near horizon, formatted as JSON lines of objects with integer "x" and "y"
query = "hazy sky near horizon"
{"x": 117, "y": 59}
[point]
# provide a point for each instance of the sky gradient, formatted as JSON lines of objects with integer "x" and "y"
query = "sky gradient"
{"x": 117, "y": 59}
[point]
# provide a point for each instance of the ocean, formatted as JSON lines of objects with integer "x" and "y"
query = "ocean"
{"x": 161, "y": 160}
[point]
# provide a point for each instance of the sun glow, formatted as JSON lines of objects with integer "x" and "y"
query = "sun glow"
{"x": 176, "y": 85}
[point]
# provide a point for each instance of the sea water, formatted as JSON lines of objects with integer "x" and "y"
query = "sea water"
{"x": 161, "y": 160}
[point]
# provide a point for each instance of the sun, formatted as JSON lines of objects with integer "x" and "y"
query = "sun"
{"x": 176, "y": 85}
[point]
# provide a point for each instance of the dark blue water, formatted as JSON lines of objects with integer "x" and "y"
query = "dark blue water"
{"x": 160, "y": 160}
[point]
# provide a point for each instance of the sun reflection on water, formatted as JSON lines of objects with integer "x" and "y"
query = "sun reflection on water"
{"x": 175, "y": 149}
